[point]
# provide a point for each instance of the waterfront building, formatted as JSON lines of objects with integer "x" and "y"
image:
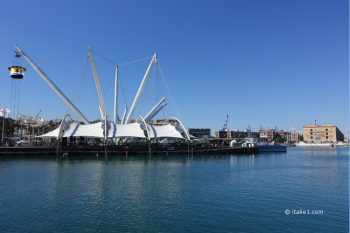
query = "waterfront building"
{"x": 322, "y": 133}
{"x": 222, "y": 134}
{"x": 294, "y": 136}
{"x": 269, "y": 134}
{"x": 200, "y": 132}
{"x": 287, "y": 135}
{"x": 238, "y": 135}
{"x": 277, "y": 134}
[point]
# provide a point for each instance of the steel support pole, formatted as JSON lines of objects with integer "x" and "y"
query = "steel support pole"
{"x": 116, "y": 95}
{"x": 52, "y": 86}
{"x": 142, "y": 86}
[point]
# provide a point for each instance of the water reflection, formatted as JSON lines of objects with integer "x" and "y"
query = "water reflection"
{"x": 320, "y": 151}
{"x": 323, "y": 167}
{"x": 239, "y": 193}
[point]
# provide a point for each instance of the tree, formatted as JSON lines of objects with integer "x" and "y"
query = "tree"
{"x": 301, "y": 138}
{"x": 281, "y": 140}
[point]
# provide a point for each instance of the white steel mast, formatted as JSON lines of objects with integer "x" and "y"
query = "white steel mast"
{"x": 142, "y": 86}
{"x": 124, "y": 116}
{"x": 155, "y": 110}
{"x": 101, "y": 99}
{"x": 52, "y": 85}
{"x": 116, "y": 117}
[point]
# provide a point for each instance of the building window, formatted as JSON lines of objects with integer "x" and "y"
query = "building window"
{"x": 326, "y": 129}
{"x": 311, "y": 133}
{"x": 326, "y": 133}
{"x": 310, "y": 129}
{"x": 312, "y": 137}
{"x": 327, "y": 137}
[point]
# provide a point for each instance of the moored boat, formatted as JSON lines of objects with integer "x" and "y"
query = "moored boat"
{"x": 315, "y": 144}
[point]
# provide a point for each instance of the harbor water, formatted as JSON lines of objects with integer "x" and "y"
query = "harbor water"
{"x": 303, "y": 190}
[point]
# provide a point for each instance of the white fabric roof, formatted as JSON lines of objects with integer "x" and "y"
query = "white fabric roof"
{"x": 71, "y": 130}
{"x": 92, "y": 130}
{"x": 67, "y": 133}
{"x": 52, "y": 134}
{"x": 164, "y": 131}
{"x": 128, "y": 130}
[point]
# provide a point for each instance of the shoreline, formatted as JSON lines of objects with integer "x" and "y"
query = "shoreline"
{"x": 131, "y": 150}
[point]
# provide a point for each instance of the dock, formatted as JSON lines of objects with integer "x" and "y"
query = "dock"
{"x": 114, "y": 150}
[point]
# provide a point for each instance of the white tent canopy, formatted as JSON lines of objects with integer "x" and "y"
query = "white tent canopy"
{"x": 92, "y": 130}
{"x": 52, "y": 134}
{"x": 130, "y": 130}
{"x": 70, "y": 131}
{"x": 164, "y": 131}
{"x": 135, "y": 130}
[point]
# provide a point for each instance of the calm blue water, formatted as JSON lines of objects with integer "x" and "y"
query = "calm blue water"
{"x": 178, "y": 194}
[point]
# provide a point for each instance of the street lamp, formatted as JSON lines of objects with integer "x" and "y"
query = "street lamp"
{"x": 4, "y": 113}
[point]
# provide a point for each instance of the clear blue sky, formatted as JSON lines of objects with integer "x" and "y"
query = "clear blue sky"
{"x": 271, "y": 63}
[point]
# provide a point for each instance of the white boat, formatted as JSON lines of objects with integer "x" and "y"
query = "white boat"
{"x": 315, "y": 144}
{"x": 344, "y": 144}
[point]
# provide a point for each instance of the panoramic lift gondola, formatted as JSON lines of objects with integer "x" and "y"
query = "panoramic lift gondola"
{"x": 16, "y": 73}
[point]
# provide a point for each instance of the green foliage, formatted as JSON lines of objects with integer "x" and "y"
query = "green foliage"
{"x": 301, "y": 138}
{"x": 281, "y": 140}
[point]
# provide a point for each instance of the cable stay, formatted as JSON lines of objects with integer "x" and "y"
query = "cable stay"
{"x": 120, "y": 64}
{"x": 17, "y": 74}
{"x": 123, "y": 91}
{"x": 104, "y": 92}
{"x": 53, "y": 86}
{"x": 168, "y": 90}
{"x": 135, "y": 61}
{"x": 79, "y": 84}
{"x": 63, "y": 67}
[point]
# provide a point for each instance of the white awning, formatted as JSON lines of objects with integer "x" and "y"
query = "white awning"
{"x": 94, "y": 130}
{"x": 71, "y": 130}
{"x": 52, "y": 134}
{"x": 130, "y": 130}
{"x": 164, "y": 131}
